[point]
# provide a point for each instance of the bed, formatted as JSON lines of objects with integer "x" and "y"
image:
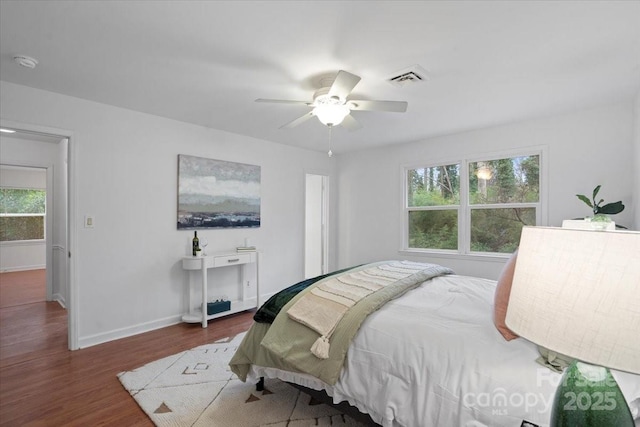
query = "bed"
{"x": 430, "y": 356}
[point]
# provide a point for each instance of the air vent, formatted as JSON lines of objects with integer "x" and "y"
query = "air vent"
{"x": 403, "y": 78}
{"x": 411, "y": 75}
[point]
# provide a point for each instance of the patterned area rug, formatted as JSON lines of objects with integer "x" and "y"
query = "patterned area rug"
{"x": 196, "y": 388}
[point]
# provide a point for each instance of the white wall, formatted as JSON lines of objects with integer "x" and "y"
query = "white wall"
{"x": 584, "y": 149}
{"x": 128, "y": 267}
{"x": 22, "y": 255}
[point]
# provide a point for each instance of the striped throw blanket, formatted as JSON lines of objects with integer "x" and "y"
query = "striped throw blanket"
{"x": 322, "y": 308}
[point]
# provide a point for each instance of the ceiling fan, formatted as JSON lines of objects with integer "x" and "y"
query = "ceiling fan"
{"x": 331, "y": 106}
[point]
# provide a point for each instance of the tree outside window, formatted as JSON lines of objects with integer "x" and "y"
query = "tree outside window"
{"x": 433, "y": 206}
{"x": 501, "y": 196}
{"x": 22, "y": 214}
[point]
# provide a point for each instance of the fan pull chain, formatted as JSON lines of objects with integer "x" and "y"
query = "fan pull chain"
{"x": 330, "y": 153}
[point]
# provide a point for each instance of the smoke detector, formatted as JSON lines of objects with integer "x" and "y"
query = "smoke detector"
{"x": 26, "y": 61}
{"x": 410, "y": 75}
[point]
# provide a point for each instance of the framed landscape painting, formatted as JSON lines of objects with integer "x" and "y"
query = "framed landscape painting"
{"x": 217, "y": 194}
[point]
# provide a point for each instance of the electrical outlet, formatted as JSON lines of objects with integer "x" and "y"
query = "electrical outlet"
{"x": 248, "y": 283}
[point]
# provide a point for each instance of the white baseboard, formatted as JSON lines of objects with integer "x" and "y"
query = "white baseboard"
{"x": 23, "y": 268}
{"x": 60, "y": 299}
{"x": 91, "y": 340}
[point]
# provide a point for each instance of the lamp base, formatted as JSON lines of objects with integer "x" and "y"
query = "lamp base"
{"x": 589, "y": 396}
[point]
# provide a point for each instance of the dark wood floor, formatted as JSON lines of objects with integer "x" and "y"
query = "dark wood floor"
{"x": 22, "y": 287}
{"x": 44, "y": 384}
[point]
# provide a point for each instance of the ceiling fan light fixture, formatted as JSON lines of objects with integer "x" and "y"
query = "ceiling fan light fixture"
{"x": 331, "y": 115}
{"x": 331, "y": 104}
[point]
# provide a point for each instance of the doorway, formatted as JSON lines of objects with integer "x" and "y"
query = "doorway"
{"x": 23, "y": 236}
{"x": 316, "y": 225}
{"x": 33, "y": 147}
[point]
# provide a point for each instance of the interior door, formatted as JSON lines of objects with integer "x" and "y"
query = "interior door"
{"x": 316, "y": 226}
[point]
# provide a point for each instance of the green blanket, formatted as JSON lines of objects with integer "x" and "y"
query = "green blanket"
{"x": 286, "y": 343}
{"x": 270, "y": 309}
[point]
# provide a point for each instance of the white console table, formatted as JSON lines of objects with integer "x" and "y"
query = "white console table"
{"x": 226, "y": 259}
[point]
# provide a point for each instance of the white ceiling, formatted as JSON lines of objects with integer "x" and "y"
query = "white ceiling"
{"x": 205, "y": 62}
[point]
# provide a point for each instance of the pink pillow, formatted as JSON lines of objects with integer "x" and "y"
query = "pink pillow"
{"x": 501, "y": 298}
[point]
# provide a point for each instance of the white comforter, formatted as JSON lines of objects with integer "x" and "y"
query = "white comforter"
{"x": 434, "y": 358}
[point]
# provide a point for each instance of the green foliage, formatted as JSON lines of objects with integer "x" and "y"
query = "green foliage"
{"x": 530, "y": 167}
{"x": 498, "y": 230}
{"x": 434, "y": 186}
{"x": 21, "y": 228}
{"x": 14, "y": 200}
{"x": 513, "y": 180}
{"x": 437, "y": 229}
{"x": 598, "y": 207}
{"x": 422, "y": 197}
{"x": 505, "y": 181}
{"x": 494, "y": 228}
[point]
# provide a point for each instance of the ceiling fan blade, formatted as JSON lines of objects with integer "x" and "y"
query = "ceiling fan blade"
{"x": 297, "y": 121}
{"x": 350, "y": 123}
{"x": 343, "y": 84}
{"x": 392, "y": 106}
{"x": 283, "y": 101}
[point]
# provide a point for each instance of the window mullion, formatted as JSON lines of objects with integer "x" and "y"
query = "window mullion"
{"x": 505, "y": 205}
{"x": 464, "y": 215}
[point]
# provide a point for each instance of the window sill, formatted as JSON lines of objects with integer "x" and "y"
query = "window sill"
{"x": 492, "y": 257}
{"x": 22, "y": 242}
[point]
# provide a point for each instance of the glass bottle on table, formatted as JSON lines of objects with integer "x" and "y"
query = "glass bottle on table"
{"x": 195, "y": 244}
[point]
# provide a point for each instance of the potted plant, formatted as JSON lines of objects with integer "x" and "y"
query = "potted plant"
{"x": 601, "y": 212}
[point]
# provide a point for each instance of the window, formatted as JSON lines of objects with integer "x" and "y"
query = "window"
{"x": 22, "y": 214}
{"x": 472, "y": 206}
{"x": 433, "y": 200}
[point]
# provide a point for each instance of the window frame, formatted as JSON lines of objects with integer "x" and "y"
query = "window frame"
{"x": 407, "y": 208}
{"x": 464, "y": 208}
{"x": 16, "y": 215}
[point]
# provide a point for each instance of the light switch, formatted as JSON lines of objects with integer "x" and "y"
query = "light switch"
{"x": 89, "y": 221}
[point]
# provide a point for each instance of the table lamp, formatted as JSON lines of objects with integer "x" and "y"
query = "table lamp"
{"x": 577, "y": 292}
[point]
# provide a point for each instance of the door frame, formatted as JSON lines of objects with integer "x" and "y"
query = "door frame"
{"x": 71, "y": 237}
{"x": 324, "y": 219}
